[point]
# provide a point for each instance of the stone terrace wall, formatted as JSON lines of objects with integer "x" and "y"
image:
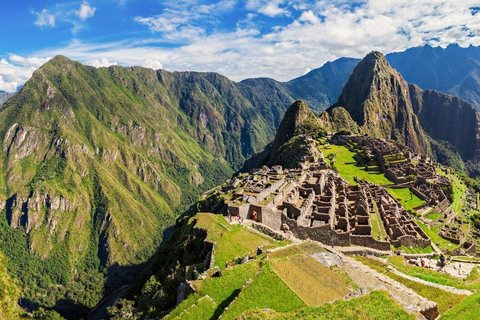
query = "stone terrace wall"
{"x": 410, "y": 241}
{"x": 371, "y": 242}
{"x": 323, "y": 234}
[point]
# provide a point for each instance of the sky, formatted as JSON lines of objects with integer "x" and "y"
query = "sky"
{"x": 280, "y": 39}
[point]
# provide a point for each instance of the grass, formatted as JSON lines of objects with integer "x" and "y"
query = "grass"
{"x": 467, "y": 310}
{"x": 222, "y": 290}
{"x": 413, "y": 250}
{"x": 310, "y": 280}
{"x": 406, "y": 198}
{"x": 348, "y": 167}
{"x": 378, "y": 229}
{"x": 441, "y": 243}
{"x": 434, "y": 216}
{"x": 376, "y": 305}
{"x": 471, "y": 282}
{"x": 267, "y": 291}
{"x": 445, "y": 300}
{"x": 231, "y": 240}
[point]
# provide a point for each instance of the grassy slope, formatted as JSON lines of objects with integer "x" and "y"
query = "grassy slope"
{"x": 95, "y": 139}
{"x": 231, "y": 240}
{"x": 346, "y": 166}
{"x": 471, "y": 282}
{"x": 267, "y": 291}
{"x": 376, "y": 305}
{"x": 444, "y": 299}
{"x": 310, "y": 280}
{"x": 407, "y": 200}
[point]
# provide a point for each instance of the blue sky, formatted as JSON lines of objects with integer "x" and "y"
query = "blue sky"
{"x": 281, "y": 39}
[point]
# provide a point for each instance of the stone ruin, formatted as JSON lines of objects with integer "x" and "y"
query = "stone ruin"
{"x": 399, "y": 163}
{"x": 315, "y": 203}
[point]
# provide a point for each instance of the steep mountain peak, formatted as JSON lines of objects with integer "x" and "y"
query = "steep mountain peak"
{"x": 58, "y": 60}
{"x": 377, "y": 98}
{"x": 294, "y": 116}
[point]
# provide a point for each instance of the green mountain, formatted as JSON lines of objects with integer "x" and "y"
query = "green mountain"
{"x": 97, "y": 163}
{"x": 376, "y": 97}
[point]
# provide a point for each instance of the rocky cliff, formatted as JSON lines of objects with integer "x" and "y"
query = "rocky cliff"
{"x": 449, "y": 119}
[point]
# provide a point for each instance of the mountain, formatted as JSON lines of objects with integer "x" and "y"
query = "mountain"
{"x": 319, "y": 88}
{"x": 97, "y": 163}
{"x": 376, "y": 97}
{"x": 453, "y": 70}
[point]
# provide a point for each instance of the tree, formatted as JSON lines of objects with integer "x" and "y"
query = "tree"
{"x": 124, "y": 310}
{"x": 153, "y": 297}
{"x": 47, "y": 315}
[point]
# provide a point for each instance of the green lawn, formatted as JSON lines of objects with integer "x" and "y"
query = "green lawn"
{"x": 378, "y": 229}
{"x": 222, "y": 290}
{"x": 348, "y": 169}
{"x": 441, "y": 243}
{"x": 445, "y": 300}
{"x": 267, "y": 291}
{"x": 471, "y": 282}
{"x": 467, "y": 310}
{"x": 406, "y": 198}
{"x": 314, "y": 283}
{"x": 434, "y": 216}
{"x": 413, "y": 250}
{"x": 231, "y": 240}
{"x": 376, "y": 305}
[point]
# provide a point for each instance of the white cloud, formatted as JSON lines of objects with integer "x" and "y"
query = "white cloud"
{"x": 269, "y": 8}
{"x": 7, "y": 86}
{"x": 45, "y": 19}
{"x": 309, "y": 16}
{"x": 16, "y": 70}
{"x": 323, "y": 31}
{"x": 34, "y": 62}
{"x": 187, "y": 20}
{"x": 152, "y": 64}
{"x": 86, "y": 11}
{"x": 272, "y": 9}
{"x": 98, "y": 63}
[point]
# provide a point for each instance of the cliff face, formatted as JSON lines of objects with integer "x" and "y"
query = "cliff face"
{"x": 377, "y": 99}
{"x": 448, "y": 118}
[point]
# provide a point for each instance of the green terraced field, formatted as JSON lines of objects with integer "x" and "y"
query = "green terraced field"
{"x": 348, "y": 168}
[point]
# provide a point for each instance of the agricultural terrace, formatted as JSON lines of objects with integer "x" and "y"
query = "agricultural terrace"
{"x": 446, "y": 300}
{"x": 231, "y": 240}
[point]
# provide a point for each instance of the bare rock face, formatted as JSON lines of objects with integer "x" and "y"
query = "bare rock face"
{"x": 448, "y": 118}
{"x": 23, "y": 141}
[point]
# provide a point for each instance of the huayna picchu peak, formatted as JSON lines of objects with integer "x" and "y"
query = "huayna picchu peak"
{"x": 196, "y": 197}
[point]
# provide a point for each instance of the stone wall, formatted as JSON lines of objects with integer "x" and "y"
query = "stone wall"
{"x": 371, "y": 242}
{"x": 269, "y": 231}
{"x": 241, "y": 210}
{"x": 323, "y": 234}
{"x": 410, "y": 241}
{"x": 272, "y": 219}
